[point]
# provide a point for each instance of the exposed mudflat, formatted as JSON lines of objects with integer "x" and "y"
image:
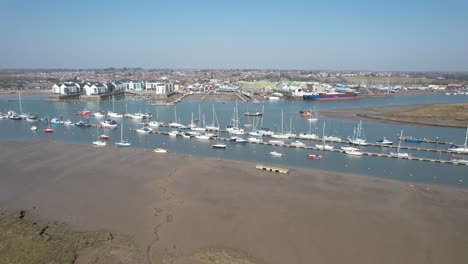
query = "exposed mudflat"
{"x": 447, "y": 115}
{"x": 180, "y": 209}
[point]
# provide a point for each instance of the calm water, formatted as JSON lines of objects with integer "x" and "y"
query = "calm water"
{"x": 406, "y": 170}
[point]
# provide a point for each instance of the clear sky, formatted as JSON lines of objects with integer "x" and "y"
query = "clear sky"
{"x": 398, "y": 35}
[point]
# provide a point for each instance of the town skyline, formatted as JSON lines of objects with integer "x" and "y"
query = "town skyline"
{"x": 364, "y": 35}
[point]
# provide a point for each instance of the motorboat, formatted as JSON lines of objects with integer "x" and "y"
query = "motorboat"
{"x": 276, "y": 142}
{"x": 238, "y": 140}
{"x": 254, "y": 139}
{"x": 82, "y": 124}
{"x": 354, "y": 152}
{"x": 34, "y": 128}
{"x": 109, "y": 123}
{"x": 56, "y": 121}
{"x": 144, "y": 130}
{"x": 276, "y": 154}
{"x": 202, "y": 137}
{"x": 219, "y": 146}
{"x": 160, "y": 150}
{"x": 324, "y": 147}
{"x": 100, "y": 143}
{"x": 84, "y": 112}
{"x": 349, "y": 148}
{"x": 314, "y": 156}
{"x": 155, "y": 124}
{"x": 307, "y": 136}
{"x": 99, "y": 114}
{"x": 384, "y": 141}
{"x": 297, "y": 144}
{"x": 104, "y": 137}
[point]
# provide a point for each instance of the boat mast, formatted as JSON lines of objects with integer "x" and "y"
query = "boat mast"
{"x": 282, "y": 121}
{"x": 466, "y": 136}
{"x": 121, "y": 131}
{"x": 323, "y": 135}
{"x": 399, "y": 143}
{"x": 19, "y": 99}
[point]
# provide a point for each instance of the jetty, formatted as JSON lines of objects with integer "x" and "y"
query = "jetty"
{"x": 372, "y": 154}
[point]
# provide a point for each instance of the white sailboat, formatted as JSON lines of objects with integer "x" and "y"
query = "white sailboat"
{"x": 357, "y": 136}
{"x": 219, "y": 145}
{"x": 324, "y": 146}
{"x": 175, "y": 124}
{"x": 156, "y": 123}
{"x": 399, "y": 154}
{"x": 99, "y": 142}
{"x": 309, "y": 135}
{"x": 112, "y": 113}
{"x": 122, "y": 143}
{"x": 281, "y": 135}
{"x": 214, "y": 126}
{"x": 461, "y": 149}
{"x": 234, "y": 127}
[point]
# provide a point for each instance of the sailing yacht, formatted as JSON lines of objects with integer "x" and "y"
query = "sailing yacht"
{"x": 281, "y": 135}
{"x": 156, "y": 123}
{"x": 309, "y": 135}
{"x": 460, "y": 149}
{"x": 324, "y": 146}
{"x": 234, "y": 127}
{"x": 219, "y": 145}
{"x": 112, "y": 113}
{"x": 99, "y": 142}
{"x": 214, "y": 126}
{"x": 399, "y": 154}
{"x": 175, "y": 123}
{"x": 122, "y": 143}
{"x": 357, "y": 136}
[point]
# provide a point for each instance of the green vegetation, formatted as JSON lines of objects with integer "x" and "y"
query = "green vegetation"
{"x": 26, "y": 240}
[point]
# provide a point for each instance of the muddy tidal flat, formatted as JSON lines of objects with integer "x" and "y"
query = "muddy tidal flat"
{"x": 170, "y": 208}
{"x": 448, "y": 115}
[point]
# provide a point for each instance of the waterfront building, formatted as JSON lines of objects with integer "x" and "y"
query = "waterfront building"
{"x": 66, "y": 88}
{"x": 159, "y": 86}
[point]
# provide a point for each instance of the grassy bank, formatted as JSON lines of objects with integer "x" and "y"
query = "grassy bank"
{"x": 25, "y": 239}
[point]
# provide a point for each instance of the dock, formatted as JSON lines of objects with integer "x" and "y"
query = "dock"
{"x": 272, "y": 169}
{"x": 372, "y": 154}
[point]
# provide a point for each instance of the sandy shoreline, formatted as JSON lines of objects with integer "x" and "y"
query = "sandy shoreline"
{"x": 446, "y": 115}
{"x": 189, "y": 210}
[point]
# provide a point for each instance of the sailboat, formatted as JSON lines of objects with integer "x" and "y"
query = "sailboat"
{"x": 48, "y": 129}
{"x": 460, "y": 149}
{"x": 214, "y": 126}
{"x": 281, "y": 135}
{"x": 219, "y": 145}
{"x": 99, "y": 142}
{"x": 175, "y": 123}
{"x": 156, "y": 123}
{"x": 112, "y": 113}
{"x": 194, "y": 125}
{"x": 309, "y": 135}
{"x": 357, "y": 136}
{"x": 122, "y": 143}
{"x": 234, "y": 127}
{"x": 21, "y": 114}
{"x": 399, "y": 154}
{"x": 324, "y": 146}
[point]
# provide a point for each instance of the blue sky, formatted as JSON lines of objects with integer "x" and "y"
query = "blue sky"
{"x": 337, "y": 35}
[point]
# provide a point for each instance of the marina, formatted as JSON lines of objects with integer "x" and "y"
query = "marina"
{"x": 169, "y": 128}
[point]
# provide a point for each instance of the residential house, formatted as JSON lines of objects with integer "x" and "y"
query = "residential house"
{"x": 95, "y": 88}
{"x": 135, "y": 85}
{"x": 66, "y": 88}
{"x": 159, "y": 86}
